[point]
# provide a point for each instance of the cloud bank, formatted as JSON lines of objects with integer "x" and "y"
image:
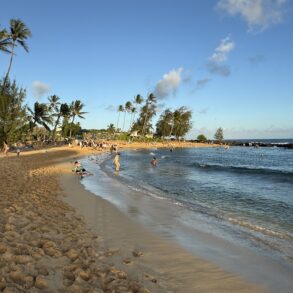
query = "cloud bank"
{"x": 39, "y": 89}
{"x": 169, "y": 83}
{"x": 216, "y": 64}
{"x": 258, "y": 14}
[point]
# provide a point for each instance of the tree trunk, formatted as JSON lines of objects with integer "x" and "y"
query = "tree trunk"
{"x": 118, "y": 120}
{"x": 70, "y": 132}
{"x": 144, "y": 123}
{"x": 124, "y": 121}
{"x": 172, "y": 127}
{"x": 9, "y": 67}
{"x": 55, "y": 127}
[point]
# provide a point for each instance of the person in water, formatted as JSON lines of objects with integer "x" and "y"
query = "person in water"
{"x": 116, "y": 161}
{"x": 78, "y": 169}
{"x": 154, "y": 161}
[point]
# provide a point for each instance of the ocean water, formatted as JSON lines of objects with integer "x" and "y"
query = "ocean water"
{"x": 242, "y": 197}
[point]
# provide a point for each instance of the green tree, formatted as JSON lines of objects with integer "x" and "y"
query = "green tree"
{"x": 133, "y": 112}
{"x": 68, "y": 128}
{"x": 40, "y": 114}
{"x": 164, "y": 126}
{"x": 201, "y": 138}
{"x": 182, "y": 121}
{"x": 219, "y": 135}
{"x": 54, "y": 102}
{"x": 76, "y": 111}
{"x": 111, "y": 128}
{"x": 12, "y": 111}
{"x": 18, "y": 35}
{"x": 63, "y": 111}
{"x": 5, "y": 43}
{"x": 127, "y": 108}
{"x": 150, "y": 111}
{"x": 138, "y": 99}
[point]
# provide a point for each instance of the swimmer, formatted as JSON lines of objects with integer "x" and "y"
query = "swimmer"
{"x": 154, "y": 161}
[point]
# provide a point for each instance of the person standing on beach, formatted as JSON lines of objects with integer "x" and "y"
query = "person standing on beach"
{"x": 5, "y": 148}
{"x": 116, "y": 161}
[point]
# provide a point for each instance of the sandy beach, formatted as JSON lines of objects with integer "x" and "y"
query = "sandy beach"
{"x": 58, "y": 237}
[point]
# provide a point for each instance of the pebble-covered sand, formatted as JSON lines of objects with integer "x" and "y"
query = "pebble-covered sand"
{"x": 44, "y": 245}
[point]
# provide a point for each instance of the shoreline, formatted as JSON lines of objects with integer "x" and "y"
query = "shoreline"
{"x": 174, "y": 267}
{"x": 53, "y": 248}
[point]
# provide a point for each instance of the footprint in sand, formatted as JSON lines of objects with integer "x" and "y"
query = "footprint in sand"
{"x": 127, "y": 261}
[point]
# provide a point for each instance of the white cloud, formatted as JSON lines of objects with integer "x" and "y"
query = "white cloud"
{"x": 259, "y": 14}
{"x": 221, "y": 52}
{"x": 169, "y": 83}
{"x": 215, "y": 64}
{"x": 39, "y": 89}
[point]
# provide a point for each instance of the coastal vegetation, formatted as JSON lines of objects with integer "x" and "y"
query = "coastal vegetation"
{"x": 175, "y": 123}
{"x": 44, "y": 120}
{"x": 201, "y": 138}
{"x": 219, "y": 135}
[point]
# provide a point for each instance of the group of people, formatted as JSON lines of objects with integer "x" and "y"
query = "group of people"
{"x": 116, "y": 161}
{"x": 78, "y": 169}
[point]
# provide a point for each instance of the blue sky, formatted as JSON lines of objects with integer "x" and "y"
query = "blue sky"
{"x": 230, "y": 61}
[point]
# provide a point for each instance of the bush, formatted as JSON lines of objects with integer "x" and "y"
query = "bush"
{"x": 201, "y": 138}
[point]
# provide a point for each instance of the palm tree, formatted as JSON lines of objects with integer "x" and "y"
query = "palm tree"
{"x": 128, "y": 107}
{"x": 133, "y": 112}
{"x": 120, "y": 109}
{"x": 111, "y": 128}
{"x": 64, "y": 111}
{"x": 18, "y": 35}
{"x": 138, "y": 99}
{"x": 75, "y": 109}
{"x": 40, "y": 115}
{"x": 150, "y": 102}
{"x": 5, "y": 42}
{"x": 54, "y": 103}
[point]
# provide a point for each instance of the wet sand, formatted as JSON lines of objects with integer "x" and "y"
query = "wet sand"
{"x": 60, "y": 238}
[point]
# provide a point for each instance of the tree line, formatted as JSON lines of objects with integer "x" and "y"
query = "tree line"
{"x": 17, "y": 120}
{"x": 170, "y": 123}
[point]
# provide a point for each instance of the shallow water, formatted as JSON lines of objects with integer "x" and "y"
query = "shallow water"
{"x": 225, "y": 205}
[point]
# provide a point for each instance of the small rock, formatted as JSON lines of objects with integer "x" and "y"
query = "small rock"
{"x": 2, "y": 283}
{"x": 72, "y": 254}
{"x": 84, "y": 275}
{"x": 2, "y": 248}
{"x": 41, "y": 283}
{"x": 22, "y": 259}
{"x": 137, "y": 253}
{"x": 126, "y": 261}
{"x": 21, "y": 279}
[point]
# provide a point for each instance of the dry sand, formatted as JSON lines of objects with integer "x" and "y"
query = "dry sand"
{"x": 60, "y": 238}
